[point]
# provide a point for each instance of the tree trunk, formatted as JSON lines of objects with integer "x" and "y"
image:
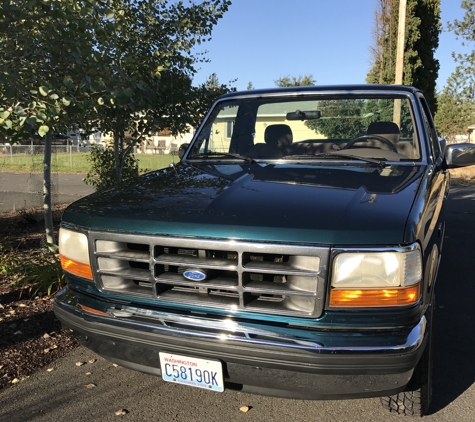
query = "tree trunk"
{"x": 117, "y": 157}
{"x": 47, "y": 210}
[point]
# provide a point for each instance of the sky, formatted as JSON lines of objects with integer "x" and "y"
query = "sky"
{"x": 260, "y": 41}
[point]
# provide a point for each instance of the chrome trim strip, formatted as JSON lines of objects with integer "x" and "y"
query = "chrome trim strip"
{"x": 401, "y": 249}
{"x": 132, "y": 318}
{"x": 229, "y": 330}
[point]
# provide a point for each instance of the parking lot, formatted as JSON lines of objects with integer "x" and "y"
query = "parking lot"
{"x": 69, "y": 393}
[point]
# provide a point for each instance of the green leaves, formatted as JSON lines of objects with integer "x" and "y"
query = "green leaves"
{"x": 31, "y": 121}
{"x": 295, "y": 81}
{"x": 42, "y": 273}
{"x": 103, "y": 168}
{"x": 4, "y": 114}
{"x": 43, "y": 130}
{"x": 423, "y": 26}
{"x": 43, "y": 91}
{"x": 20, "y": 112}
{"x": 68, "y": 82}
{"x": 465, "y": 29}
{"x": 117, "y": 65}
{"x": 109, "y": 14}
{"x": 128, "y": 92}
{"x": 456, "y": 105}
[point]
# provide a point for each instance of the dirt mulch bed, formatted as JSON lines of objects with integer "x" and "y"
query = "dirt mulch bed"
{"x": 30, "y": 335}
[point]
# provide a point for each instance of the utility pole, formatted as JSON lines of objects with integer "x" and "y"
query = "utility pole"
{"x": 401, "y": 32}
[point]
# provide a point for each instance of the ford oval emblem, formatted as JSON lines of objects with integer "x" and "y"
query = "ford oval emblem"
{"x": 195, "y": 274}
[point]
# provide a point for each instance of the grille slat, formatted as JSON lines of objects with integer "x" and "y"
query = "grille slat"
{"x": 274, "y": 288}
{"x": 135, "y": 273}
{"x": 273, "y": 308}
{"x": 179, "y": 280}
{"x": 192, "y": 261}
{"x": 138, "y": 256}
{"x": 277, "y": 268}
{"x": 275, "y": 279}
{"x": 197, "y": 299}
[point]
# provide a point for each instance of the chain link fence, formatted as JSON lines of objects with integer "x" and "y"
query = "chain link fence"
{"x": 32, "y": 150}
{"x": 147, "y": 148}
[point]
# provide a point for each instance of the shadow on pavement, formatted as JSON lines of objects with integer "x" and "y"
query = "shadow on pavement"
{"x": 454, "y": 327}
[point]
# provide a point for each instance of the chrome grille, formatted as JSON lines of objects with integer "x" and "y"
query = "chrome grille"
{"x": 241, "y": 276}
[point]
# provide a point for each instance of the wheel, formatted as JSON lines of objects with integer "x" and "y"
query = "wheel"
{"x": 415, "y": 399}
{"x": 364, "y": 138}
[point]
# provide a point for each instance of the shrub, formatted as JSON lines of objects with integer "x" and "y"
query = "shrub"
{"x": 38, "y": 274}
{"x": 102, "y": 174}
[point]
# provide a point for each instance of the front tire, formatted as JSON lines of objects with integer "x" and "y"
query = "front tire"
{"x": 416, "y": 397}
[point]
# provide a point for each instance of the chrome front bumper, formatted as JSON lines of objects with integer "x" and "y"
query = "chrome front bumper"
{"x": 266, "y": 359}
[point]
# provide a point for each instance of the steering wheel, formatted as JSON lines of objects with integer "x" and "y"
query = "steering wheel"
{"x": 364, "y": 138}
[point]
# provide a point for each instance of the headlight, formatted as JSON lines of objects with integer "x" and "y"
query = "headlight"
{"x": 376, "y": 278}
{"x": 74, "y": 253}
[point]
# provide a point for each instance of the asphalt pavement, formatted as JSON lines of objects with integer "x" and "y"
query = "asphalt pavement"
{"x": 97, "y": 390}
{"x": 25, "y": 190}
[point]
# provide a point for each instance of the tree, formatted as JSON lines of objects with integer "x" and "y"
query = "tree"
{"x": 342, "y": 119}
{"x": 456, "y": 111}
{"x": 351, "y": 117}
{"x": 423, "y": 26}
{"x": 149, "y": 67}
{"x": 38, "y": 42}
{"x": 203, "y": 97}
{"x": 465, "y": 29}
{"x": 305, "y": 80}
{"x": 111, "y": 64}
{"x": 382, "y": 29}
{"x": 453, "y": 117}
{"x": 457, "y": 101}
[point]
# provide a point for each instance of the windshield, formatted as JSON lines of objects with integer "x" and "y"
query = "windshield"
{"x": 294, "y": 128}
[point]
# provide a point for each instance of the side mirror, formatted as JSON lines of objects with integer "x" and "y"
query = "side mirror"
{"x": 460, "y": 155}
{"x": 182, "y": 149}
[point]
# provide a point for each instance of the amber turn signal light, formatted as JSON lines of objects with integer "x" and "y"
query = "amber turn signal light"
{"x": 374, "y": 297}
{"x": 93, "y": 311}
{"x": 77, "y": 268}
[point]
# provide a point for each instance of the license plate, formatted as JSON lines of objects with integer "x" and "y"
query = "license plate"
{"x": 194, "y": 372}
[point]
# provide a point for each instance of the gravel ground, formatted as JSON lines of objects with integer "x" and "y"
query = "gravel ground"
{"x": 30, "y": 336}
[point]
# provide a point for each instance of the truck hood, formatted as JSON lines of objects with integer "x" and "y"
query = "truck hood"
{"x": 290, "y": 203}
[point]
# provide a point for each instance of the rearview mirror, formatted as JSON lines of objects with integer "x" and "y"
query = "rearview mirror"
{"x": 303, "y": 115}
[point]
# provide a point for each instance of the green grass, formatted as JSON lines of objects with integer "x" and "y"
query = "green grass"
{"x": 149, "y": 162}
{"x": 74, "y": 163}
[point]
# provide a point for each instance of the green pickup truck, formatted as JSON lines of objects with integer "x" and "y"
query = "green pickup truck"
{"x": 292, "y": 251}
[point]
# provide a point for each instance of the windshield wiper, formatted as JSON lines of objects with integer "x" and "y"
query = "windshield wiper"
{"x": 337, "y": 155}
{"x": 222, "y": 154}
